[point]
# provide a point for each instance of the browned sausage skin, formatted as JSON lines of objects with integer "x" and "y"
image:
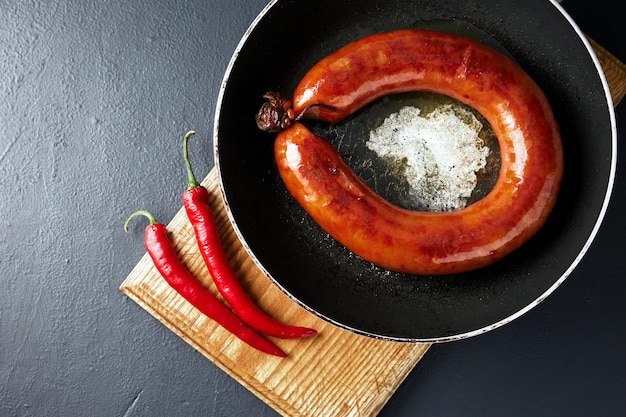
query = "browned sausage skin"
{"x": 413, "y": 241}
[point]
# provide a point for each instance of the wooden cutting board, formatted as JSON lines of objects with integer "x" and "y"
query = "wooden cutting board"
{"x": 337, "y": 373}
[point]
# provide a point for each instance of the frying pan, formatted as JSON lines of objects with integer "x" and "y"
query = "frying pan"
{"x": 285, "y": 40}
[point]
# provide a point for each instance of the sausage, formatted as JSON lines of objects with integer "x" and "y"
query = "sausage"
{"x": 427, "y": 243}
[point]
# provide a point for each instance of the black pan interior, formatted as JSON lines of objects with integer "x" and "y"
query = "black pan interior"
{"x": 326, "y": 278}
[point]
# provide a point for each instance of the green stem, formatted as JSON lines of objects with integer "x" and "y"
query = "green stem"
{"x": 192, "y": 180}
{"x": 140, "y": 213}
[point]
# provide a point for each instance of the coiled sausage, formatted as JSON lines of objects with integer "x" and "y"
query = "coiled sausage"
{"x": 402, "y": 240}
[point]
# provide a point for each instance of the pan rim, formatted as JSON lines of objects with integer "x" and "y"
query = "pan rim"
{"x": 462, "y": 335}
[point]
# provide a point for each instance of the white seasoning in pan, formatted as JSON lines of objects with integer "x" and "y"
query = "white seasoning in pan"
{"x": 440, "y": 152}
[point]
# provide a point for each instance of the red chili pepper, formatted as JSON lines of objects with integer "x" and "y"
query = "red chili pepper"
{"x": 182, "y": 281}
{"x": 196, "y": 202}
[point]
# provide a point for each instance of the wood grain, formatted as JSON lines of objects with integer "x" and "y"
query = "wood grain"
{"x": 614, "y": 71}
{"x": 336, "y": 373}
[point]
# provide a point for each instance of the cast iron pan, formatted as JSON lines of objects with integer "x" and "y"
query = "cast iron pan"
{"x": 286, "y": 39}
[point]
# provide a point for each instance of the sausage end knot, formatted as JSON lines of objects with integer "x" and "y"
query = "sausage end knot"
{"x": 275, "y": 114}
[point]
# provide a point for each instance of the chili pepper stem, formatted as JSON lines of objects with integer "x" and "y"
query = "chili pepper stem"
{"x": 192, "y": 179}
{"x": 145, "y": 213}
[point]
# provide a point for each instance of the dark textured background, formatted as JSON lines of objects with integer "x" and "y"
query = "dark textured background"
{"x": 94, "y": 98}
